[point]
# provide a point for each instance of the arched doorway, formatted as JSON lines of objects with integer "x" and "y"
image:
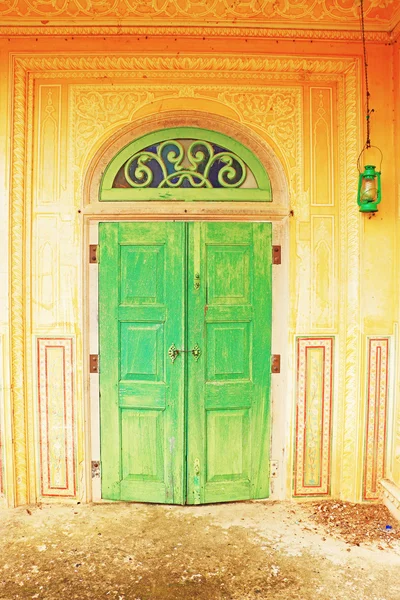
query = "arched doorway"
{"x": 185, "y": 326}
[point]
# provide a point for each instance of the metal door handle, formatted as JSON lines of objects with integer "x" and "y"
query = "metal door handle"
{"x": 173, "y": 352}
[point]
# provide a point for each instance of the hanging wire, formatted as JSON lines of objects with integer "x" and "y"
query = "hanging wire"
{"x": 369, "y": 111}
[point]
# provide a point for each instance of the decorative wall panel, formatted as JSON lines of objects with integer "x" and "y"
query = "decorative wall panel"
{"x": 2, "y": 386}
{"x": 313, "y": 416}
{"x": 56, "y": 416}
{"x": 323, "y": 269}
{"x": 377, "y": 403}
{"x": 1, "y": 464}
{"x": 395, "y": 458}
{"x": 48, "y": 145}
{"x": 45, "y": 290}
{"x": 321, "y": 149}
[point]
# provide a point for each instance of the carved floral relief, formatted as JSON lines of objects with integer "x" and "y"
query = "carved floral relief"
{"x": 280, "y": 11}
{"x": 275, "y": 109}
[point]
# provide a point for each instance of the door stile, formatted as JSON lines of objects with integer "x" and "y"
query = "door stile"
{"x": 261, "y": 421}
{"x": 196, "y": 368}
{"x": 175, "y": 289}
{"x": 184, "y": 358}
{"x": 108, "y": 342}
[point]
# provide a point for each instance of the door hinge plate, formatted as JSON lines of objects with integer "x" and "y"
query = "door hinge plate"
{"x": 276, "y": 255}
{"x": 95, "y": 469}
{"x": 276, "y": 363}
{"x": 94, "y": 363}
{"x": 274, "y": 465}
{"x": 93, "y": 254}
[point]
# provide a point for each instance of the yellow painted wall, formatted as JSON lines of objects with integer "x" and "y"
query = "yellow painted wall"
{"x": 393, "y": 472}
{"x": 62, "y": 98}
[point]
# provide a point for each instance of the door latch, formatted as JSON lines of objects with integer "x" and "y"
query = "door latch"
{"x": 173, "y": 352}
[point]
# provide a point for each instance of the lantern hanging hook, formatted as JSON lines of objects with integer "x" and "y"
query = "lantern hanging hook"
{"x": 369, "y": 110}
{"x": 364, "y": 150}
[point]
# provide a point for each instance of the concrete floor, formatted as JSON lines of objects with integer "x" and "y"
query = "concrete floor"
{"x": 234, "y": 551}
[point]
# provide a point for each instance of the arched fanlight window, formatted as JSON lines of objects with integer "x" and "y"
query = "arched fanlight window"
{"x": 187, "y": 164}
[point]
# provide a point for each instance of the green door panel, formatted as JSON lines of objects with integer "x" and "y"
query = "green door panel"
{"x": 229, "y": 387}
{"x": 186, "y": 430}
{"x": 141, "y": 313}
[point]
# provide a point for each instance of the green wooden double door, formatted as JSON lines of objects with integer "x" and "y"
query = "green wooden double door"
{"x": 185, "y": 341}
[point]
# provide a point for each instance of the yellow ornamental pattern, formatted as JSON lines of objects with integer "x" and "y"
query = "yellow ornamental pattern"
{"x": 305, "y": 111}
{"x": 96, "y": 111}
{"x": 279, "y": 11}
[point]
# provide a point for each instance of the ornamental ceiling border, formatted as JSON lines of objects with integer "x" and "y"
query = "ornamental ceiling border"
{"x": 71, "y": 65}
{"x": 217, "y": 31}
{"x": 309, "y": 14}
{"x": 27, "y": 68}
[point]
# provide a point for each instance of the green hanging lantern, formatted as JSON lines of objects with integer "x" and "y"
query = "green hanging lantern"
{"x": 369, "y": 189}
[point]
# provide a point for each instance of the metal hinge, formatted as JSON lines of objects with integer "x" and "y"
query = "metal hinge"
{"x": 273, "y": 469}
{"x": 94, "y": 363}
{"x": 276, "y": 255}
{"x": 93, "y": 254}
{"x": 95, "y": 469}
{"x": 276, "y": 363}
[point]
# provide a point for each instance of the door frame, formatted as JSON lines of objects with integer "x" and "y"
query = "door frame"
{"x": 280, "y": 419}
{"x": 276, "y": 212}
